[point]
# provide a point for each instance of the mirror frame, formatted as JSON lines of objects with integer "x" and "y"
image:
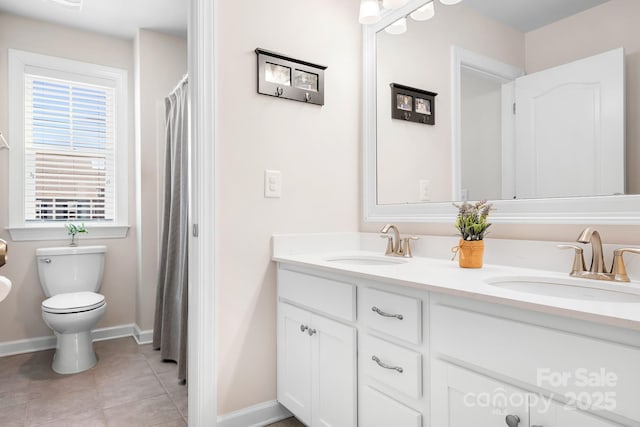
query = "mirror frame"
{"x": 624, "y": 209}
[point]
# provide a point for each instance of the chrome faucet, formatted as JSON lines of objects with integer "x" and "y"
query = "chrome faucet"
{"x": 598, "y": 270}
{"x": 397, "y": 246}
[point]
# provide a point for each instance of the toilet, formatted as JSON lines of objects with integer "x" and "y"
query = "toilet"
{"x": 71, "y": 277}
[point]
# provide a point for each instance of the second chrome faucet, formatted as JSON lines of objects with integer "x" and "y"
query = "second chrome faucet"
{"x": 397, "y": 246}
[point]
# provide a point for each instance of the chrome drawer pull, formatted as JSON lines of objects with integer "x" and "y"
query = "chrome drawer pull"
{"x": 383, "y": 314}
{"x": 385, "y": 366}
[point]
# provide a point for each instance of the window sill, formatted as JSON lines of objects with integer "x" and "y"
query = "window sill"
{"x": 58, "y": 232}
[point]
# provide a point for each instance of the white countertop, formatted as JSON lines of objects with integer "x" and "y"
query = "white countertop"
{"x": 444, "y": 276}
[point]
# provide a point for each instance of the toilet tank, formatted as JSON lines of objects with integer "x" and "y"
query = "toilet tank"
{"x": 70, "y": 268}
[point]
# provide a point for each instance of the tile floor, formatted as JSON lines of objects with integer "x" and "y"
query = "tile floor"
{"x": 129, "y": 387}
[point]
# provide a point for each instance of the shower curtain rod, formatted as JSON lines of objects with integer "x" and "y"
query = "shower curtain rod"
{"x": 182, "y": 81}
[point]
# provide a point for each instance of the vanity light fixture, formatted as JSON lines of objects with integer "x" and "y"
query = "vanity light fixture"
{"x": 71, "y": 4}
{"x": 424, "y": 13}
{"x": 369, "y": 12}
{"x": 398, "y": 27}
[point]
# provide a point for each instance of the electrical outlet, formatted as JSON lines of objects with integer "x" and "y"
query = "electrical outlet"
{"x": 425, "y": 190}
{"x": 272, "y": 184}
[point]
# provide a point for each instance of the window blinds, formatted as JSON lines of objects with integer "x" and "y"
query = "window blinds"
{"x": 69, "y": 150}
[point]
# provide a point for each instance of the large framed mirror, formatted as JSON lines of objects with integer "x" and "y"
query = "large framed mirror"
{"x": 537, "y": 105}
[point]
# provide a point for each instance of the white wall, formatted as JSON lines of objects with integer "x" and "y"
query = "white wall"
{"x": 317, "y": 150}
{"x": 161, "y": 61}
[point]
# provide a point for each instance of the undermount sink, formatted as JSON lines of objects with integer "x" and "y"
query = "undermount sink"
{"x": 5, "y": 287}
{"x": 365, "y": 260}
{"x": 570, "y": 288}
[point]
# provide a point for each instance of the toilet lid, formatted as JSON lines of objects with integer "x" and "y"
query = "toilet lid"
{"x": 73, "y": 302}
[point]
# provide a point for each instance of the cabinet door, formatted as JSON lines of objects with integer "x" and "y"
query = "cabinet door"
{"x": 546, "y": 413}
{"x": 294, "y": 361}
{"x": 333, "y": 374}
{"x": 463, "y": 398}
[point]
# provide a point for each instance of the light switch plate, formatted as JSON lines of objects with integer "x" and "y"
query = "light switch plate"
{"x": 425, "y": 190}
{"x": 272, "y": 183}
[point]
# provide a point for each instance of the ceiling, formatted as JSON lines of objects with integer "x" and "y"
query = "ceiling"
{"x": 120, "y": 18}
{"x": 527, "y": 15}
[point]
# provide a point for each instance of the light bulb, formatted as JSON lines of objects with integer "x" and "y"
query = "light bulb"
{"x": 369, "y": 12}
{"x": 450, "y": 2}
{"x": 424, "y": 13}
{"x": 398, "y": 27}
{"x": 393, "y": 4}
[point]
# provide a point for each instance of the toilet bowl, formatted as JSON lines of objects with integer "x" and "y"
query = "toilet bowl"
{"x": 71, "y": 277}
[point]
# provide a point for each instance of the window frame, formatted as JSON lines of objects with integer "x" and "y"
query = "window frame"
{"x": 21, "y": 63}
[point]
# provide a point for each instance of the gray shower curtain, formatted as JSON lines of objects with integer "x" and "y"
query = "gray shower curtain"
{"x": 170, "y": 324}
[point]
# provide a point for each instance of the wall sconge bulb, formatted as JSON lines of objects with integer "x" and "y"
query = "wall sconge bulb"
{"x": 424, "y": 13}
{"x": 369, "y": 12}
{"x": 450, "y": 2}
{"x": 398, "y": 27}
{"x": 393, "y": 4}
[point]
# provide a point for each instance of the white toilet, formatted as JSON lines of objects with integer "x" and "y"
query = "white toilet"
{"x": 71, "y": 276}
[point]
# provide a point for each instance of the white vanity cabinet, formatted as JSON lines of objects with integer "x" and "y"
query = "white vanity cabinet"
{"x": 359, "y": 352}
{"x": 316, "y": 354}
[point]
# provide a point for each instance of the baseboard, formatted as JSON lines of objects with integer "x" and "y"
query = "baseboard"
{"x": 30, "y": 345}
{"x": 113, "y": 332}
{"x": 142, "y": 337}
{"x": 258, "y": 415}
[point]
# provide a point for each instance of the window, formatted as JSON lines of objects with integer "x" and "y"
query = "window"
{"x": 68, "y": 160}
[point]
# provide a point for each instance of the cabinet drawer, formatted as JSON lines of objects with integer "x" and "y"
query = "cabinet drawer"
{"x": 396, "y": 315}
{"x": 393, "y": 366}
{"x": 379, "y": 410}
{"x": 329, "y": 296}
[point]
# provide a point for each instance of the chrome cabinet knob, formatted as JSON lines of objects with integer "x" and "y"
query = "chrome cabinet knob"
{"x": 512, "y": 420}
{"x": 311, "y": 332}
{"x": 303, "y": 328}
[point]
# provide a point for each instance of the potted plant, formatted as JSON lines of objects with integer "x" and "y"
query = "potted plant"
{"x": 472, "y": 223}
{"x": 73, "y": 229}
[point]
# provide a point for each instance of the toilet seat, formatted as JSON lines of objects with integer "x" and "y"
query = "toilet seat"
{"x": 73, "y": 302}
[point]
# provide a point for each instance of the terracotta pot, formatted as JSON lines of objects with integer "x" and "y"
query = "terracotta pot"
{"x": 470, "y": 253}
